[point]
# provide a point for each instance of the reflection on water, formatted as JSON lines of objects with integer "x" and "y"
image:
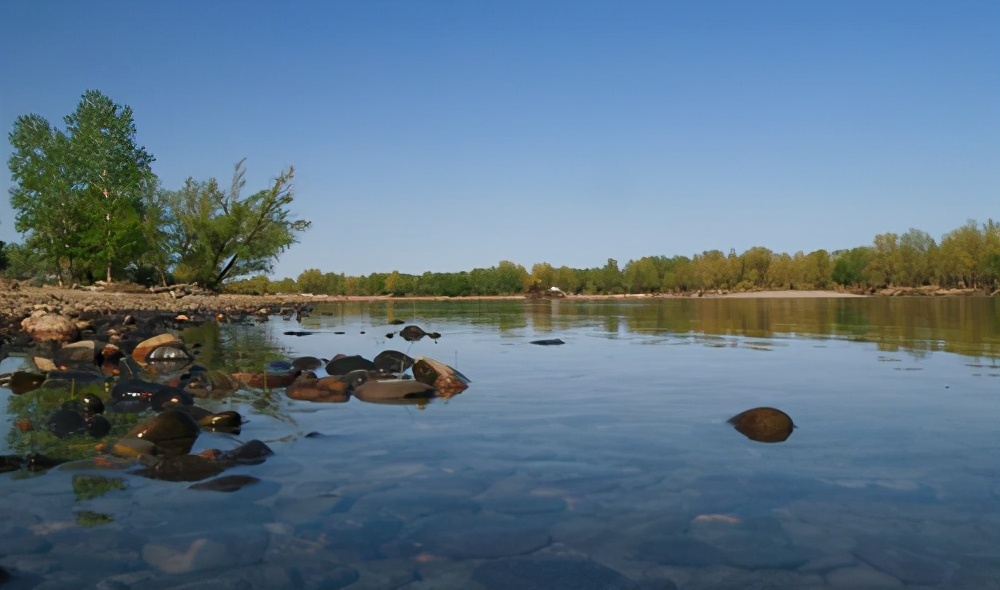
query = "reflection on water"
{"x": 603, "y": 462}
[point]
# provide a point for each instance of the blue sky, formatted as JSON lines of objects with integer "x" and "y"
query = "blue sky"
{"x": 445, "y": 136}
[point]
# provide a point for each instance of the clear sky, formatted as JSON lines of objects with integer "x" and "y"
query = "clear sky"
{"x": 448, "y": 135}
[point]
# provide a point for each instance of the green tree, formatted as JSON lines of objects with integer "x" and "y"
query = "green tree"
{"x": 218, "y": 235}
{"x": 78, "y": 194}
{"x": 849, "y": 266}
{"x": 886, "y": 260}
{"x": 917, "y": 254}
{"x": 963, "y": 255}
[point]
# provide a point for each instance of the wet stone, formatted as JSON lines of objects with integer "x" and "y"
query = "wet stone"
{"x": 550, "y": 573}
{"x": 679, "y": 550}
{"x": 358, "y": 538}
{"x": 909, "y": 566}
{"x": 226, "y": 483}
{"x": 232, "y": 548}
{"x": 478, "y": 536}
{"x": 524, "y": 504}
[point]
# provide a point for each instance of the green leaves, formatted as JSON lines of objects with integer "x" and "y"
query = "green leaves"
{"x": 78, "y": 194}
{"x": 214, "y": 235}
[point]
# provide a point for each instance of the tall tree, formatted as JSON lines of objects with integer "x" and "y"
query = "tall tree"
{"x": 78, "y": 194}
{"x": 219, "y": 235}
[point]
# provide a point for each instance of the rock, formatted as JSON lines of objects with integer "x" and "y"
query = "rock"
{"x": 172, "y": 432}
{"x": 144, "y": 348}
{"x": 412, "y": 333}
{"x": 911, "y": 567}
{"x": 392, "y": 362}
{"x": 180, "y": 468}
{"x": 226, "y": 483}
{"x": 323, "y": 389}
{"x": 229, "y": 422}
{"x": 264, "y": 380}
{"x": 447, "y": 380}
{"x": 50, "y": 326}
{"x": 224, "y": 549}
{"x": 550, "y": 573}
{"x": 763, "y": 424}
{"x": 479, "y": 536}
{"x": 20, "y": 382}
{"x": 307, "y": 363}
{"x": 342, "y": 365}
{"x": 372, "y": 390}
{"x": 548, "y": 342}
{"x": 136, "y": 395}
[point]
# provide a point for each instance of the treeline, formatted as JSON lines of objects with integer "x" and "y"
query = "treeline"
{"x": 967, "y": 257}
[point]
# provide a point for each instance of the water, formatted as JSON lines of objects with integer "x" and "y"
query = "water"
{"x": 603, "y": 462}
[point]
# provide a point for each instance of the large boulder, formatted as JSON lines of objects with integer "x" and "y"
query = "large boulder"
{"x": 50, "y": 326}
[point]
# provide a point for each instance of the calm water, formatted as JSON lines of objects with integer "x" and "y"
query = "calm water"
{"x": 602, "y": 463}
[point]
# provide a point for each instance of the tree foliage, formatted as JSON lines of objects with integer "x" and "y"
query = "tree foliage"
{"x": 78, "y": 193}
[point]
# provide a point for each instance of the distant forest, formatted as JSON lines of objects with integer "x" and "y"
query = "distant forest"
{"x": 967, "y": 257}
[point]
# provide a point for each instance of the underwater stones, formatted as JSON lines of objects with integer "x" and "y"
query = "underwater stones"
{"x": 763, "y": 424}
{"x": 446, "y": 380}
{"x": 72, "y": 380}
{"x": 911, "y": 567}
{"x": 172, "y": 432}
{"x": 50, "y": 326}
{"x": 342, "y": 364}
{"x": 479, "y": 536}
{"x": 76, "y": 419}
{"x": 550, "y": 573}
{"x": 20, "y": 382}
{"x": 180, "y": 467}
{"x": 323, "y": 389}
{"x": 252, "y": 452}
{"x": 10, "y": 463}
{"x": 226, "y": 483}
{"x": 218, "y": 549}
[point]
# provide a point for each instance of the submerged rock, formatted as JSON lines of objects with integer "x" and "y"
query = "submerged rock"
{"x": 323, "y": 389}
{"x": 20, "y": 382}
{"x": 763, "y": 424}
{"x": 392, "y": 362}
{"x": 548, "y": 342}
{"x": 226, "y": 483}
{"x": 550, "y": 573}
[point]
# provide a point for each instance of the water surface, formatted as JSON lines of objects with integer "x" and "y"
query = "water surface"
{"x": 606, "y": 456}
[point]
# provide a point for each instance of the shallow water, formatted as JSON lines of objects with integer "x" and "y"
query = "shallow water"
{"x": 604, "y": 462}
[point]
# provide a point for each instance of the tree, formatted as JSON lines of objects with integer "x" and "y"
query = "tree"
{"x": 849, "y": 266}
{"x": 3, "y": 255}
{"x": 79, "y": 193}
{"x": 218, "y": 235}
{"x": 886, "y": 261}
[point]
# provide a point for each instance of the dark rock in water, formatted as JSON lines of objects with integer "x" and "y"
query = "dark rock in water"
{"x": 324, "y": 389}
{"x": 396, "y": 322}
{"x": 64, "y": 423}
{"x": 763, "y": 424}
{"x": 550, "y": 573}
{"x": 172, "y": 432}
{"x": 180, "y": 468}
{"x": 412, "y": 333}
{"x": 226, "y": 483}
{"x": 342, "y": 365}
{"x": 392, "y": 362}
{"x": 548, "y": 342}
{"x": 297, "y": 333}
{"x": 229, "y": 422}
{"x": 307, "y": 363}
{"x": 10, "y": 463}
{"x": 22, "y": 381}
{"x": 98, "y": 426}
{"x": 253, "y": 452}
{"x": 135, "y": 395}
{"x": 36, "y": 462}
{"x": 91, "y": 405}
{"x": 78, "y": 354}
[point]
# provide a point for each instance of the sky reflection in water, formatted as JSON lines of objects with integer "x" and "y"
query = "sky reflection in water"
{"x": 612, "y": 448}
